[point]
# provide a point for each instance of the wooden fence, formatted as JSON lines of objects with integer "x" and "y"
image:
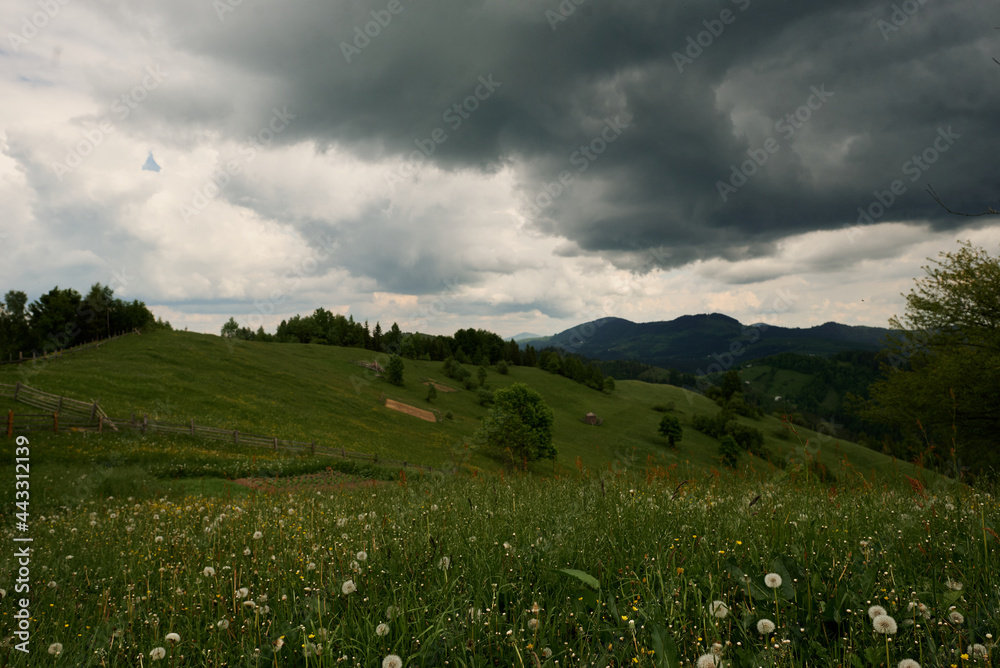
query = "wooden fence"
{"x": 35, "y": 356}
{"x": 70, "y": 414}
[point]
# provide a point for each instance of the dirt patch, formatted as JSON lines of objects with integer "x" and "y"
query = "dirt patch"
{"x": 440, "y": 387}
{"x": 324, "y": 481}
{"x": 411, "y": 410}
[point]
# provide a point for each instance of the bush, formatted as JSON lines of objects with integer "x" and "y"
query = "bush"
{"x": 484, "y": 396}
{"x": 665, "y": 408}
{"x": 519, "y": 425}
{"x": 502, "y": 368}
{"x": 670, "y": 428}
{"x": 394, "y": 370}
{"x": 730, "y": 451}
{"x": 432, "y": 391}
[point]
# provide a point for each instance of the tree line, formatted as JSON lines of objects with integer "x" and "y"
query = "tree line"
{"x": 62, "y": 318}
{"x": 467, "y": 346}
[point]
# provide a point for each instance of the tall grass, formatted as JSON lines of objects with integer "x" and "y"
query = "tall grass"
{"x": 646, "y": 566}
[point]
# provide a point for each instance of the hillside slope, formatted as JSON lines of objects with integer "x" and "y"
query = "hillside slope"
{"x": 315, "y": 393}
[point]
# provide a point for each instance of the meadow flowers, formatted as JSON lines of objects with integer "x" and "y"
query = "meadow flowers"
{"x": 875, "y": 611}
{"x": 382, "y": 630}
{"x": 706, "y": 661}
{"x": 952, "y": 585}
{"x": 884, "y": 624}
{"x": 56, "y": 648}
{"x": 765, "y": 626}
{"x": 392, "y": 661}
{"x": 362, "y": 556}
{"x": 772, "y": 580}
{"x": 157, "y": 653}
{"x": 173, "y": 638}
{"x": 444, "y": 563}
{"x": 257, "y": 535}
{"x": 223, "y": 624}
{"x": 348, "y": 587}
{"x": 208, "y": 572}
{"x": 908, "y": 663}
{"x": 956, "y": 617}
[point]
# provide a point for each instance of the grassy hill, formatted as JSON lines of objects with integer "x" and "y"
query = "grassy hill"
{"x": 316, "y": 393}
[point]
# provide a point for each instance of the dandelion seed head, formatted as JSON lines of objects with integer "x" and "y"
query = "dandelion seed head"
{"x": 56, "y": 648}
{"x": 772, "y": 580}
{"x": 392, "y": 661}
{"x": 157, "y": 653}
{"x": 382, "y": 629}
{"x": 876, "y": 610}
{"x": 884, "y": 624}
{"x": 765, "y": 626}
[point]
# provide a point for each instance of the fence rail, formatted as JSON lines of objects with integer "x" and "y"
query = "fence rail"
{"x": 63, "y": 413}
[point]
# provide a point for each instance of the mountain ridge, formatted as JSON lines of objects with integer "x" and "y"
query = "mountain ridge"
{"x": 706, "y": 343}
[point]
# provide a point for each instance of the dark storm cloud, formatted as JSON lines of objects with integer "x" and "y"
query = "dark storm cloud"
{"x": 831, "y": 106}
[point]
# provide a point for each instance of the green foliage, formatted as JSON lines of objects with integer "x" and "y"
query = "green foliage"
{"x": 749, "y": 438}
{"x": 670, "y": 428}
{"x": 665, "y": 407}
{"x": 941, "y": 376}
{"x": 502, "y": 368}
{"x": 609, "y": 385}
{"x": 431, "y": 392}
{"x": 730, "y": 451}
{"x": 520, "y": 423}
{"x": 481, "y": 375}
{"x": 484, "y": 396}
{"x": 394, "y": 370}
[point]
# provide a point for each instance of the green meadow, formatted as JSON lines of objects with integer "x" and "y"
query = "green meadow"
{"x": 315, "y": 393}
{"x": 625, "y": 553}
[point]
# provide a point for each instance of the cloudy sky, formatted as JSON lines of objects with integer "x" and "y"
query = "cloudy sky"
{"x": 518, "y": 165}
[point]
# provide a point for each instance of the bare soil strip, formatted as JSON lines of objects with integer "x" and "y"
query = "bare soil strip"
{"x": 325, "y": 481}
{"x": 410, "y": 410}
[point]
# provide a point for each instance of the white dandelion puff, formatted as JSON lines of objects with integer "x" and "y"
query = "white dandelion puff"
{"x": 765, "y": 626}
{"x": 382, "y": 629}
{"x": 876, "y": 610}
{"x": 772, "y": 580}
{"x": 157, "y": 653}
{"x": 884, "y": 624}
{"x": 348, "y": 587}
{"x": 392, "y": 661}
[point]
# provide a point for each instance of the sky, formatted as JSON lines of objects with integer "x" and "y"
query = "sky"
{"x": 514, "y": 165}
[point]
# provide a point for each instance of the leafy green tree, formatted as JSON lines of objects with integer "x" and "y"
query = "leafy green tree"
{"x": 502, "y": 368}
{"x": 432, "y": 392}
{"x": 670, "y": 428}
{"x": 520, "y": 423}
{"x": 609, "y": 385}
{"x": 394, "y": 370}
{"x": 730, "y": 451}
{"x": 941, "y": 377}
{"x": 230, "y": 328}
{"x": 481, "y": 375}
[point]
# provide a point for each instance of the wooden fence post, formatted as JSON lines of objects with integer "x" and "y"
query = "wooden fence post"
{"x": 100, "y": 424}
{"x": 275, "y": 443}
{"x": 145, "y": 423}
{"x": 10, "y": 423}
{"x": 312, "y": 446}
{"x": 93, "y": 410}
{"x": 55, "y": 422}
{"x": 17, "y": 388}
{"x": 192, "y": 426}
{"x": 236, "y": 437}
{"x": 343, "y": 452}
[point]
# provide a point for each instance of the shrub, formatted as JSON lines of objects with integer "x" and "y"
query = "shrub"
{"x": 502, "y": 368}
{"x": 730, "y": 451}
{"x": 670, "y": 428}
{"x": 665, "y": 408}
{"x": 484, "y": 396}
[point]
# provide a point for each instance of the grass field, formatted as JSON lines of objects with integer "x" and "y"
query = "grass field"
{"x": 648, "y": 566}
{"x": 313, "y": 392}
{"x": 624, "y": 553}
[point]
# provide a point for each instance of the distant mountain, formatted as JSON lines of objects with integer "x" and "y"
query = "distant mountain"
{"x": 524, "y": 336}
{"x": 706, "y": 343}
